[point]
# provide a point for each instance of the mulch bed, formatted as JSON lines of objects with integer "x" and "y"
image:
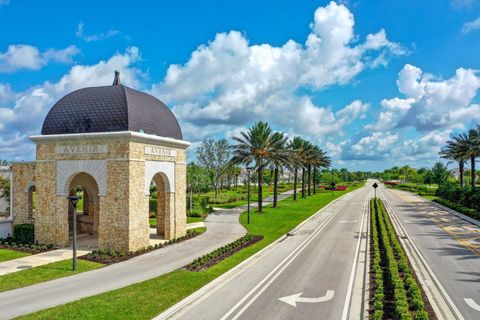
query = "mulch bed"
{"x": 216, "y": 260}
{"x": 25, "y": 249}
{"x": 110, "y": 259}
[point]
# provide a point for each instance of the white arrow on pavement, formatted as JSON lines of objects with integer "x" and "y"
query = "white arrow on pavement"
{"x": 472, "y": 304}
{"x": 294, "y": 298}
{"x": 347, "y": 221}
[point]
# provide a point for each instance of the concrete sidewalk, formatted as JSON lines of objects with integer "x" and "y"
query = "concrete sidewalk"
{"x": 223, "y": 227}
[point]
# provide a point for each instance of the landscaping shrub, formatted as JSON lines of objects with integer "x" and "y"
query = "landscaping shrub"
{"x": 152, "y": 206}
{"x": 388, "y": 255}
{"x": 24, "y": 233}
{"x": 216, "y": 255}
{"x": 472, "y": 213}
{"x": 465, "y": 197}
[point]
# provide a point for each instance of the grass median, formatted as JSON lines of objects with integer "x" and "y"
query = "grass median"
{"x": 44, "y": 273}
{"x": 6, "y": 254}
{"x": 147, "y": 299}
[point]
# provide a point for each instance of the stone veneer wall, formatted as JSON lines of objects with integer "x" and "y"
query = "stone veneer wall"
{"x": 23, "y": 177}
{"x": 123, "y": 215}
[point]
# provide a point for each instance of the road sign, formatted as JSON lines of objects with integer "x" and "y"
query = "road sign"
{"x": 375, "y": 185}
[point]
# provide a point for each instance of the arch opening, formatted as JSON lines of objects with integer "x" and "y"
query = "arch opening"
{"x": 88, "y": 209}
{"x": 159, "y": 207}
{"x": 32, "y": 201}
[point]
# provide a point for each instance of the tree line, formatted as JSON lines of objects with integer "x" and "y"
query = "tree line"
{"x": 464, "y": 148}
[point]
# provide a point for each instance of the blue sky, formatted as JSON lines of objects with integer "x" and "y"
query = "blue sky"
{"x": 374, "y": 83}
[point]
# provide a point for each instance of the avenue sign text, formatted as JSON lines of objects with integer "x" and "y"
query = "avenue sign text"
{"x": 81, "y": 149}
{"x": 157, "y": 151}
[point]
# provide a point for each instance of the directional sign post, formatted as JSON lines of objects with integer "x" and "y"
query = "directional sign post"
{"x": 375, "y": 186}
{"x": 332, "y": 187}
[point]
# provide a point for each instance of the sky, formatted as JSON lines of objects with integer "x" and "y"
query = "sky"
{"x": 373, "y": 83}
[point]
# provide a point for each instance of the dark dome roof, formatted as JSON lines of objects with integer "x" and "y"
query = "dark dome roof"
{"x": 111, "y": 108}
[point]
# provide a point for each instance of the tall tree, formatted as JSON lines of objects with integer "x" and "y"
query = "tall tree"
{"x": 256, "y": 146}
{"x": 214, "y": 155}
{"x": 296, "y": 147}
{"x": 457, "y": 150}
{"x": 440, "y": 173}
{"x": 277, "y": 160}
{"x": 472, "y": 145}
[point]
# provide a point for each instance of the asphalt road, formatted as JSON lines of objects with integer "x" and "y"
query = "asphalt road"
{"x": 316, "y": 263}
{"x": 449, "y": 244}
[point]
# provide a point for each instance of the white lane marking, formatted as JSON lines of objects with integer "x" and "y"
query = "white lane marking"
{"x": 408, "y": 221}
{"x": 354, "y": 266}
{"x": 281, "y": 266}
{"x": 347, "y": 221}
{"x": 294, "y": 298}
{"x": 472, "y": 304}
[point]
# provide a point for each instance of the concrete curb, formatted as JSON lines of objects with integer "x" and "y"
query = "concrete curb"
{"x": 173, "y": 310}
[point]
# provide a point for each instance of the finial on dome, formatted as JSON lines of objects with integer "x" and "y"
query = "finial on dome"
{"x": 116, "y": 80}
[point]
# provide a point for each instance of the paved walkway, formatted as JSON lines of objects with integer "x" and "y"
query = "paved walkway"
{"x": 195, "y": 225}
{"x": 37, "y": 260}
{"x": 223, "y": 227}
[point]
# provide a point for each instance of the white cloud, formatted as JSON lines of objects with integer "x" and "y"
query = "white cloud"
{"x": 23, "y": 56}
{"x": 432, "y": 110}
{"x": 438, "y": 103}
{"x": 230, "y": 82}
{"x": 30, "y": 107}
{"x": 471, "y": 26}
{"x": 80, "y": 33}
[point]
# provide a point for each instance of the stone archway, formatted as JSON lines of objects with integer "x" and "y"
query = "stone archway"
{"x": 163, "y": 216}
{"x": 88, "y": 214}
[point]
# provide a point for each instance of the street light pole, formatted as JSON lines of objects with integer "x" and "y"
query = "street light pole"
{"x": 74, "y": 201}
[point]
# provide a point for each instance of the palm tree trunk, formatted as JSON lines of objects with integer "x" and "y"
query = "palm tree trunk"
{"x": 461, "y": 167}
{"x": 303, "y": 182}
{"x": 275, "y": 187}
{"x": 314, "y": 180}
{"x": 295, "y": 172}
{"x": 260, "y": 181}
{"x": 309, "y": 178}
{"x": 473, "y": 173}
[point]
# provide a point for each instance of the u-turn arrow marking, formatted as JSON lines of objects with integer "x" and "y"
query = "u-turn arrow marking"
{"x": 472, "y": 304}
{"x": 294, "y": 298}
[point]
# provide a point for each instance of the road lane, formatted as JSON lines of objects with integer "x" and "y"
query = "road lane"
{"x": 449, "y": 244}
{"x": 316, "y": 262}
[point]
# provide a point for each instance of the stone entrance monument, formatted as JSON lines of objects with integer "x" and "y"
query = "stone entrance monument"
{"x": 112, "y": 143}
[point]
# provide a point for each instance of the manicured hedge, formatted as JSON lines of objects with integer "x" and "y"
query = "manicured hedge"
{"x": 24, "y": 233}
{"x": 472, "y": 213}
{"x": 222, "y": 252}
{"x": 390, "y": 261}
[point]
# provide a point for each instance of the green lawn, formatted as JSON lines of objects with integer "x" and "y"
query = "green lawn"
{"x": 44, "y": 273}
{"x": 153, "y": 221}
{"x": 147, "y": 299}
{"x": 194, "y": 219}
{"x": 6, "y": 255}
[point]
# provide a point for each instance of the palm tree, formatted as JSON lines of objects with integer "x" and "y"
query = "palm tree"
{"x": 256, "y": 146}
{"x": 4, "y": 163}
{"x": 295, "y": 147}
{"x": 456, "y": 149}
{"x": 320, "y": 160}
{"x": 277, "y": 160}
{"x": 305, "y": 156}
{"x": 472, "y": 149}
